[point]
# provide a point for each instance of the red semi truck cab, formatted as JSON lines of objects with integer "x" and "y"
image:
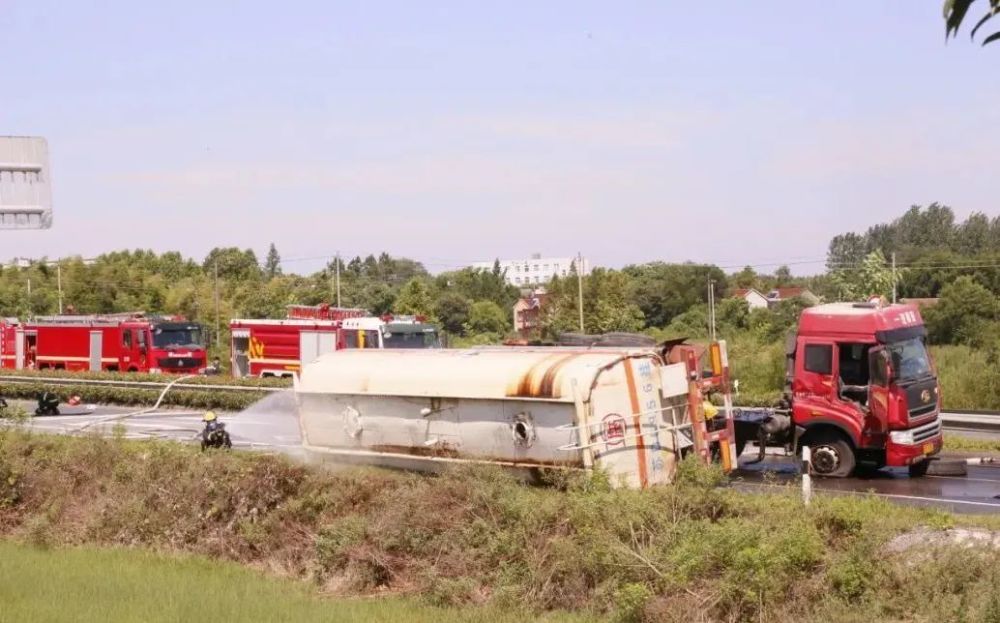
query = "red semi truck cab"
{"x": 863, "y": 388}
{"x": 123, "y": 343}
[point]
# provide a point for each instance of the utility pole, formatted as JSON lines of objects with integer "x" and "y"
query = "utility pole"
{"x": 337, "y": 260}
{"x": 894, "y": 277}
{"x": 59, "y": 285}
{"x": 29, "y": 297}
{"x": 217, "y": 326}
{"x": 579, "y": 283}
{"x": 711, "y": 308}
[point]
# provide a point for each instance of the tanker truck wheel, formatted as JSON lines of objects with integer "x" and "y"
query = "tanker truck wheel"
{"x": 832, "y": 456}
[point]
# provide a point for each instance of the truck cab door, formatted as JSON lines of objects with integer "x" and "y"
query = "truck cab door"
{"x": 142, "y": 348}
{"x": 880, "y": 375}
{"x": 816, "y": 371}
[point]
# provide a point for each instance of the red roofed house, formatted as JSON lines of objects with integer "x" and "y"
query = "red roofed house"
{"x": 527, "y": 313}
{"x": 784, "y": 294}
{"x": 754, "y": 299}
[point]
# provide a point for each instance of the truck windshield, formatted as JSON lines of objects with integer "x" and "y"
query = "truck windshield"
{"x": 410, "y": 336}
{"x": 177, "y": 337}
{"x": 909, "y": 359}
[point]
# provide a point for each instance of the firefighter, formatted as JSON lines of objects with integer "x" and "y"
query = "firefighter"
{"x": 214, "y": 368}
{"x": 709, "y": 409}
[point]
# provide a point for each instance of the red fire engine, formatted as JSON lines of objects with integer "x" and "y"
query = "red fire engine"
{"x": 120, "y": 342}
{"x": 278, "y": 347}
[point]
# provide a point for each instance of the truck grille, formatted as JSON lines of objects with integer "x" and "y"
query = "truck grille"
{"x": 921, "y": 412}
{"x": 916, "y": 393}
{"x": 178, "y": 362}
{"x": 927, "y": 431}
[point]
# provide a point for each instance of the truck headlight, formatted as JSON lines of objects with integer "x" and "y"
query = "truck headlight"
{"x": 902, "y": 437}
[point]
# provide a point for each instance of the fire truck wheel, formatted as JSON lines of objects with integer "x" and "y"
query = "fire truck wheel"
{"x": 832, "y": 456}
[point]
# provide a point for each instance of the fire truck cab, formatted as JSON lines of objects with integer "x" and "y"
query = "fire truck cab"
{"x": 389, "y": 332}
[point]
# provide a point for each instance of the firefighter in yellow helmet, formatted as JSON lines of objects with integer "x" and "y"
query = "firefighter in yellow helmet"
{"x": 215, "y": 434}
{"x": 709, "y": 409}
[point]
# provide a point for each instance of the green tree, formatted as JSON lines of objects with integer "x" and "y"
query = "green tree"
{"x": 966, "y": 313}
{"x": 607, "y": 304}
{"x": 452, "y": 311}
{"x": 782, "y": 276}
{"x": 272, "y": 265}
{"x": 414, "y": 299}
{"x": 732, "y": 314}
{"x": 662, "y": 291}
{"x": 480, "y": 285}
{"x": 378, "y": 298}
{"x": 746, "y": 278}
{"x": 233, "y": 264}
{"x": 955, "y": 12}
{"x": 486, "y": 317}
{"x": 872, "y": 278}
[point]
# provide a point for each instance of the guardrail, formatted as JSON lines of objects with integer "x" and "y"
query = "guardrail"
{"x": 976, "y": 421}
{"x": 24, "y": 380}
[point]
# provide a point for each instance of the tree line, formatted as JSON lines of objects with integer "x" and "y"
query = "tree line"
{"x": 936, "y": 255}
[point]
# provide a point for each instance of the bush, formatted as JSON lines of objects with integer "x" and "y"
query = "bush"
{"x": 477, "y": 535}
{"x": 135, "y": 377}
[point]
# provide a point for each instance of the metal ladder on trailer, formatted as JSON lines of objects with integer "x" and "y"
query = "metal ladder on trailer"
{"x": 714, "y": 439}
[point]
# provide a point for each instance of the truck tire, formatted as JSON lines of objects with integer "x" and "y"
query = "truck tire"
{"x": 918, "y": 470}
{"x": 832, "y": 456}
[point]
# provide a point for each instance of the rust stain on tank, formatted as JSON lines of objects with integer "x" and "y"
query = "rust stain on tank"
{"x": 451, "y": 453}
{"x": 540, "y": 379}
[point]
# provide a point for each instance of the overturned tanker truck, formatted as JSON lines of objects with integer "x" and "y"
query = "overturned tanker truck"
{"x": 631, "y": 412}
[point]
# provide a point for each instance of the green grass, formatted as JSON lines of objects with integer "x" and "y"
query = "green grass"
{"x": 958, "y": 443}
{"x": 109, "y": 585}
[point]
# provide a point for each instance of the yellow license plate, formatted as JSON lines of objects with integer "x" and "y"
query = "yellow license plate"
{"x": 928, "y": 448}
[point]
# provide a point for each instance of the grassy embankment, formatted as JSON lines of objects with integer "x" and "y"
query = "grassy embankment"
{"x": 689, "y": 552}
{"x": 90, "y": 585}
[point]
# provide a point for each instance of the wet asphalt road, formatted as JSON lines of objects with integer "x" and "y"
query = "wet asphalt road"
{"x": 978, "y": 492}
{"x": 272, "y": 425}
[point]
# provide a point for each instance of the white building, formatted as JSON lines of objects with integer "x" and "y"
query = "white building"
{"x": 536, "y": 269}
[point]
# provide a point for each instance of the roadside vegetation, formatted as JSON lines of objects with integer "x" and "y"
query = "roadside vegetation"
{"x": 92, "y": 585}
{"x": 964, "y": 444}
{"x": 476, "y": 537}
{"x": 208, "y": 398}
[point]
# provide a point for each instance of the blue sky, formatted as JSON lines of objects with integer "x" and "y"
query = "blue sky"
{"x": 731, "y": 132}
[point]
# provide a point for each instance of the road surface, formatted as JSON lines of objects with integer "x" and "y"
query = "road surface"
{"x": 978, "y": 492}
{"x": 269, "y": 425}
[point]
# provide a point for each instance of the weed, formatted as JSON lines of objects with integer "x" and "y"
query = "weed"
{"x": 630, "y": 602}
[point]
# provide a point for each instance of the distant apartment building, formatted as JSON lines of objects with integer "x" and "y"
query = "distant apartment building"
{"x": 536, "y": 269}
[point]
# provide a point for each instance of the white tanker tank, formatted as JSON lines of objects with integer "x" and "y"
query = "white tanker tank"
{"x": 620, "y": 410}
